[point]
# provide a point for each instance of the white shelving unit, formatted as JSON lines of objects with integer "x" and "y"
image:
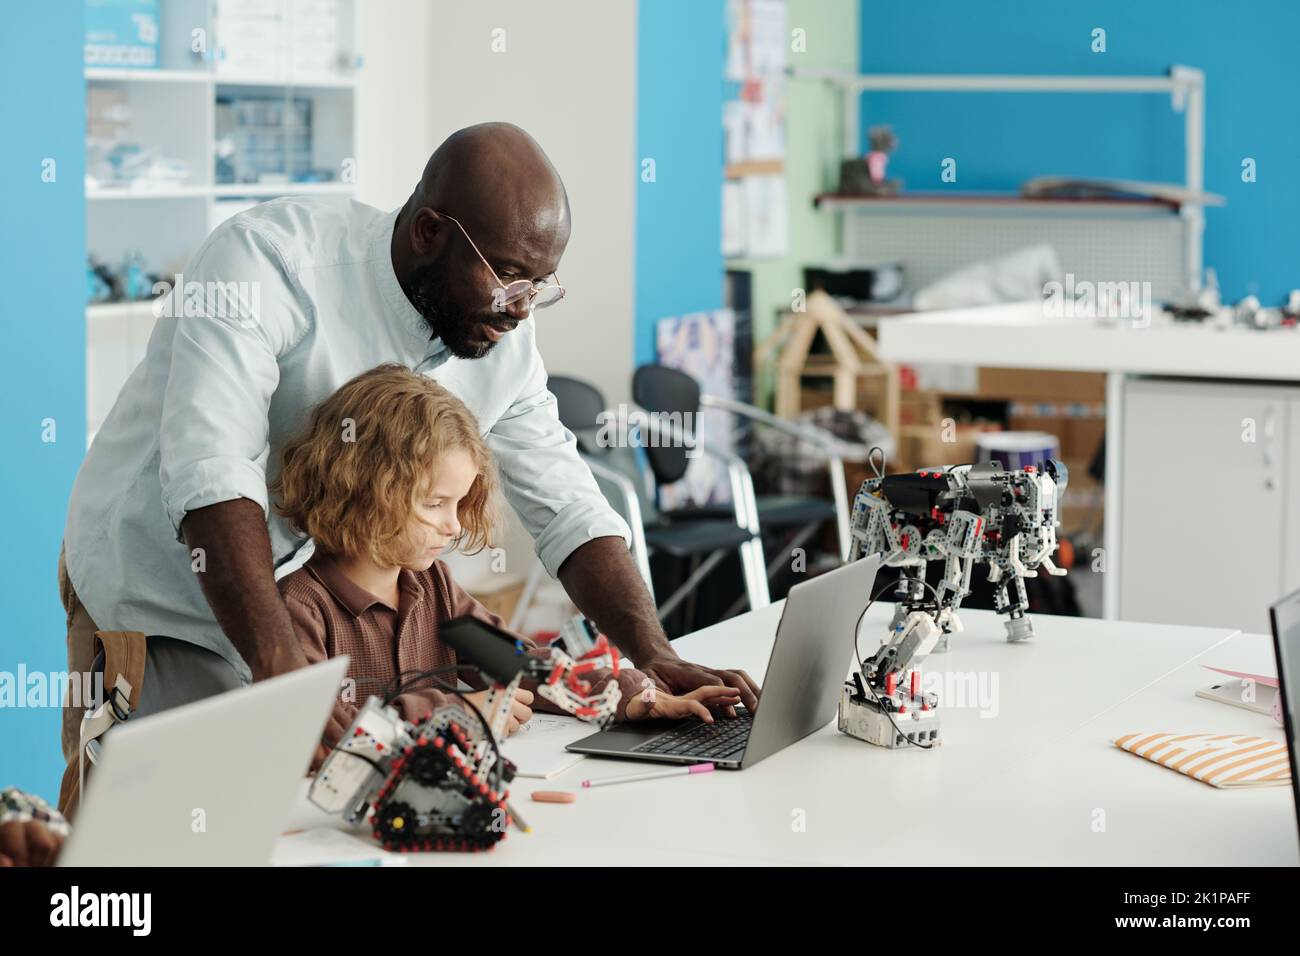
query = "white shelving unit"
{"x": 172, "y": 109}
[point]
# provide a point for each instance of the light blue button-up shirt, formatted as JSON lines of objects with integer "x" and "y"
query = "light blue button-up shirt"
{"x": 279, "y": 307}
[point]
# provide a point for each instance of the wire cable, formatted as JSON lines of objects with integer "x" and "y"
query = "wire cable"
{"x": 857, "y": 657}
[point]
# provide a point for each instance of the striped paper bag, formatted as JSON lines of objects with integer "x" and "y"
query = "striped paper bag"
{"x": 1221, "y": 760}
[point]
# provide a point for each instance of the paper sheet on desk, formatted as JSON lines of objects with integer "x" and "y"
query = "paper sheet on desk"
{"x": 1226, "y": 761}
{"x": 328, "y": 846}
{"x": 537, "y": 749}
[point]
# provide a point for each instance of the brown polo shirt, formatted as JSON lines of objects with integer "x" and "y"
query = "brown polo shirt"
{"x": 333, "y": 615}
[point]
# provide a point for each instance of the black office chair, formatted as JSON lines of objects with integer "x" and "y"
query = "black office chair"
{"x": 704, "y": 544}
{"x": 659, "y": 388}
{"x": 582, "y": 410}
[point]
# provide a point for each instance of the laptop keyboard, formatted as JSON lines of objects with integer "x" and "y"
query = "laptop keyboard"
{"x": 724, "y": 739}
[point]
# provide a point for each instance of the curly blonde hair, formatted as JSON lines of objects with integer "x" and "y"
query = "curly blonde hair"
{"x": 351, "y": 477}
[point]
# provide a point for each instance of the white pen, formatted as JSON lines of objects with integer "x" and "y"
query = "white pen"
{"x": 652, "y": 775}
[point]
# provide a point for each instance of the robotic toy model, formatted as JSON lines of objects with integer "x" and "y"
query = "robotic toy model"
{"x": 961, "y": 515}
{"x": 440, "y": 783}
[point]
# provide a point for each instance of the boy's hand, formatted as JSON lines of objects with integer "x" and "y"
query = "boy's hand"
{"x": 520, "y": 710}
{"x": 29, "y": 843}
{"x": 340, "y": 719}
{"x": 656, "y": 703}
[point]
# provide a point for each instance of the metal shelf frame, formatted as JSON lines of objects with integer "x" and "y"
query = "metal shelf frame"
{"x": 1184, "y": 85}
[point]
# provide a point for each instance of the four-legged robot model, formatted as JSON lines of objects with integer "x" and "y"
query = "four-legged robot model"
{"x": 961, "y": 515}
{"x": 441, "y": 783}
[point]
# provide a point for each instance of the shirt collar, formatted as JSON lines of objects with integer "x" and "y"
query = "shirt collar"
{"x": 381, "y": 261}
{"x": 355, "y": 599}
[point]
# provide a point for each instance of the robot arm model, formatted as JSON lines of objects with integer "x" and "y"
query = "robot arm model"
{"x": 961, "y": 515}
{"x": 440, "y": 783}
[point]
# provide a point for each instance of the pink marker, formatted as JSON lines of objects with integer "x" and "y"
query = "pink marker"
{"x": 651, "y": 775}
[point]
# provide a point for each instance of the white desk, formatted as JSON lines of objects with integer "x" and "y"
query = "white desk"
{"x": 1019, "y": 787}
{"x": 1020, "y": 335}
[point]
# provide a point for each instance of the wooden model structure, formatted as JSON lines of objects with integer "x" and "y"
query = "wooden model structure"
{"x": 859, "y": 376}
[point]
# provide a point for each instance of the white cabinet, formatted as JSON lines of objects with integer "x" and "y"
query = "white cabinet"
{"x": 1210, "y": 502}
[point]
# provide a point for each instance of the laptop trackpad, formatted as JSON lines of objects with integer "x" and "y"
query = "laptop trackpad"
{"x": 626, "y": 736}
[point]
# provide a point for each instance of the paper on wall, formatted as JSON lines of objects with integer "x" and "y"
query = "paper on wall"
{"x": 768, "y": 37}
{"x": 733, "y": 218}
{"x": 766, "y": 217}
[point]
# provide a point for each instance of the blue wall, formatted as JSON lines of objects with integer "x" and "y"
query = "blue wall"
{"x": 43, "y": 357}
{"x": 680, "y": 59}
{"x": 999, "y": 140}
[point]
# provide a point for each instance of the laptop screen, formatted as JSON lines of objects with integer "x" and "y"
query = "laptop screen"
{"x": 1286, "y": 642}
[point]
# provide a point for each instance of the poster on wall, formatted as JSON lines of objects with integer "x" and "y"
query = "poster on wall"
{"x": 756, "y": 38}
{"x": 703, "y": 345}
{"x": 755, "y": 217}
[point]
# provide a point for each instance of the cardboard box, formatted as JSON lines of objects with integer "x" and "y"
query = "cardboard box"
{"x": 501, "y": 600}
{"x": 1079, "y": 435}
{"x": 919, "y": 407}
{"x": 811, "y": 397}
{"x": 921, "y": 446}
{"x": 1082, "y": 505}
{"x": 122, "y": 33}
{"x": 1040, "y": 385}
{"x": 1086, "y": 436}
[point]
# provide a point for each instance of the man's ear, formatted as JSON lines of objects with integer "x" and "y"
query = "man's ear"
{"x": 428, "y": 231}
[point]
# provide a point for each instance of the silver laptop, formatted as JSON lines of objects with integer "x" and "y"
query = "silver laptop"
{"x": 807, "y": 668}
{"x": 207, "y": 784}
{"x": 1285, "y": 616}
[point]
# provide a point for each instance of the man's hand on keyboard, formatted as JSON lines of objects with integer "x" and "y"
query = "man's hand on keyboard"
{"x": 675, "y": 675}
{"x": 696, "y": 703}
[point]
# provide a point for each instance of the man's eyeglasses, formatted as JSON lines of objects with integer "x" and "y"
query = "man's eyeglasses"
{"x": 540, "y": 294}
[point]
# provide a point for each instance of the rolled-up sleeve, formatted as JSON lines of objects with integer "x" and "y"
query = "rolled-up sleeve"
{"x": 237, "y": 314}
{"x": 544, "y": 478}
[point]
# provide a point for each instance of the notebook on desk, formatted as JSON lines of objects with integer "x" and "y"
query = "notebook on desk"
{"x": 1233, "y": 761}
{"x": 537, "y": 748}
{"x": 1253, "y": 692}
{"x": 1226, "y": 761}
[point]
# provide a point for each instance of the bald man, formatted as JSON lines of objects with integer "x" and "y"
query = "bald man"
{"x": 169, "y": 530}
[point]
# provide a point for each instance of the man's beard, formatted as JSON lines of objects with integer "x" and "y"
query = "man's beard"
{"x": 459, "y": 330}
